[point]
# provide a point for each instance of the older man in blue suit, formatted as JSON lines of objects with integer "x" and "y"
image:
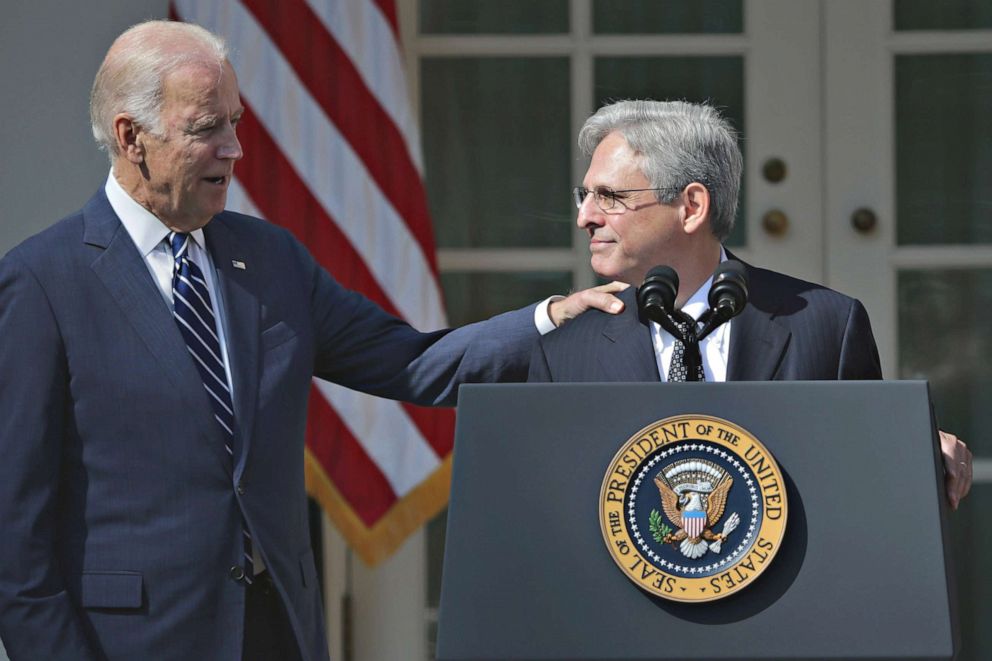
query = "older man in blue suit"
{"x": 662, "y": 189}
{"x": 156, "y": 358}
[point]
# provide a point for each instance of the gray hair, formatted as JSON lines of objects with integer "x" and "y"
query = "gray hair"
{"x": 133, "y": 73}
{"x": 678, "y": 143}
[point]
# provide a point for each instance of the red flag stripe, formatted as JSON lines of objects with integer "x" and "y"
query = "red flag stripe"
{"x": 311, "y": 51}
{"x": 357, "y": 477}
{"x": 282, "y": 197}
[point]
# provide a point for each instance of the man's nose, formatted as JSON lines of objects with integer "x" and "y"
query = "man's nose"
{"x": 589, "y": 213}
{"x": 230, "y": 149}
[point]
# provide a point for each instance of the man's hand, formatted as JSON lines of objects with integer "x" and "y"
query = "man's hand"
{"x": 957, "y": 466}
{"x": 601, "y": 298}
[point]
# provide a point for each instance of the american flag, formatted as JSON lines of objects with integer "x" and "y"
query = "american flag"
{"x": 332, "y": 153}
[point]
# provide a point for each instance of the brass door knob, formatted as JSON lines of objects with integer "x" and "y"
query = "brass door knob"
{"x": 864, "y": 220}
{"x": 775, "y": 222}
{"x": 774, "y": 170}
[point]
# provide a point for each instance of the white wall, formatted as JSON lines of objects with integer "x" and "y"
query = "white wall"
{"x": 49, "y": 53}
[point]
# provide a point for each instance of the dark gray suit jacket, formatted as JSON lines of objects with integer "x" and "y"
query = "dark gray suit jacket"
{"x": 120, "y": 518}
{"x": 790, "y": 330}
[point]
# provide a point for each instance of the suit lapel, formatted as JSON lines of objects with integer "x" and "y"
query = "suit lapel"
{"x": 757, "y": 341}
{"x": 627, "y": 354}
{"x": 237, "y": 287}
{"x": 125, "y": 275}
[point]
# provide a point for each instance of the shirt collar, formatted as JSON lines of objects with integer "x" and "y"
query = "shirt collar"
{"x": 144, "y": 228}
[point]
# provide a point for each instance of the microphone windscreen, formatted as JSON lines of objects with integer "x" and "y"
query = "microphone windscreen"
{"x": 729, "y": 290}
{"x": 660, "y": 288}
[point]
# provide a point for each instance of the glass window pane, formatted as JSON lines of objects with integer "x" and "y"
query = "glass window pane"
{"x": 716, "y": 80}
{"x": 942, "y": 15}
{"x": 475, "y": 296}
{"x": 497, "y": 151}
{"x": 943, "y": 148}
{"x": 487, "y": 17}
{"x": 951, "y": 348}
{"x": 667, "y": 16}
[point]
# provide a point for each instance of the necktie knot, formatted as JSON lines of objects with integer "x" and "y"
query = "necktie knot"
{"x": 178, "y": 242}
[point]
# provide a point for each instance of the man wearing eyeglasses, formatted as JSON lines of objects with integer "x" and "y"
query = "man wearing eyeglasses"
{"x": 662, "y": 189}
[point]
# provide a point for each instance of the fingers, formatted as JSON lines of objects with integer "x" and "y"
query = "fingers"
{"x": 612, "y": 287}
{"x": 598, "y": 298}
{"x": 957, "y": 466}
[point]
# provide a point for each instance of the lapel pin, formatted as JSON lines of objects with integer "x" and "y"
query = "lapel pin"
{"x": 238, "y": 264}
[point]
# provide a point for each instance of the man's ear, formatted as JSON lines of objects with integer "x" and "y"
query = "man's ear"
{"x": 130, "y": 138}
{"x": 696, "y": 208}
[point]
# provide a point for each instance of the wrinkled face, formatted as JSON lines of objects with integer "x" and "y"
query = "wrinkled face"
{"x": 186, "y": 170}
{"x": 645, "y": 233}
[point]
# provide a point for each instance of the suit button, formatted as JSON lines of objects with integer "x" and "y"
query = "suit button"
{"x": 237, "y": 572}
{"x": 241, "y": 488}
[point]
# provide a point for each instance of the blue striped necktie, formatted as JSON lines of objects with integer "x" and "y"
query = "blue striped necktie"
{"x": 195, "y": 317}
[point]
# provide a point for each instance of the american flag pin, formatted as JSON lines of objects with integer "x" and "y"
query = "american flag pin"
{"x": 238, "y": 264}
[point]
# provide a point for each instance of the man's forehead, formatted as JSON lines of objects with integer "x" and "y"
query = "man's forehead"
{"x": 201, "y": 84}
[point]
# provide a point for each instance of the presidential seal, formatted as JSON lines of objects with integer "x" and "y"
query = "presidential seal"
{"x": 693, "y": 508}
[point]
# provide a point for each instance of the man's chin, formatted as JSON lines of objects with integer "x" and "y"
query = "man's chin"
{"x": 611, "y": 274}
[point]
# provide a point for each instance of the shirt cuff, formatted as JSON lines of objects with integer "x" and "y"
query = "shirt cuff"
{"x": 542, "y": 315}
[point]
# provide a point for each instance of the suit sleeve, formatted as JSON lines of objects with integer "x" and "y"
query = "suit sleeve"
{"x": 37, "y": 619}
{"x": 858, "y": 353}
{"x": 360, "y": 346}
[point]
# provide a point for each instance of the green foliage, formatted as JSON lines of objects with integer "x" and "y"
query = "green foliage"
{"x": 659, "y": 529}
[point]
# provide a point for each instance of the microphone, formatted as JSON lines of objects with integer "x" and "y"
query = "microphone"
{"x": 656, "y": 297}
{"x": 728, "y": 295}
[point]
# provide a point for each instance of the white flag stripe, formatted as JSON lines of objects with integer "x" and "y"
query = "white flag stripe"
{"x": 366, "y": 37}
{"x": 324, "y": 160}
{"x": 387, "y": 435}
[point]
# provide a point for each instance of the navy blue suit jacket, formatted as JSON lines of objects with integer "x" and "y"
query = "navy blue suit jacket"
{"x": 789, "y": 330}
{"x": 120, "y": 514}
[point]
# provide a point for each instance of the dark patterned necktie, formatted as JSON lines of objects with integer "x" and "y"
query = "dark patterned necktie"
{"x": 195, "y": 317}
{"x": 687, "y": 362}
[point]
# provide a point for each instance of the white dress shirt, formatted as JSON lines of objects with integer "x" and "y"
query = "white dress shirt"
{"x": 715, "y": 347}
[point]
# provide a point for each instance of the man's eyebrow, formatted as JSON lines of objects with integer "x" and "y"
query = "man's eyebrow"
{"x": 201, "y": 121}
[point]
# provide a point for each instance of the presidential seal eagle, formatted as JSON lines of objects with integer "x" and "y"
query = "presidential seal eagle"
{"x": 693, "y": 497}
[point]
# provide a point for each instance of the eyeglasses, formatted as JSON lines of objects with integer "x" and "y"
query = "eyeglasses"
{"x": 609, "y": 201}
